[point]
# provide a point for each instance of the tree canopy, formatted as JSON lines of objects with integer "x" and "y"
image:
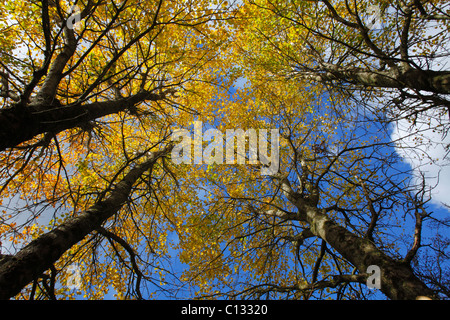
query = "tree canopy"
{"x": 214, "y": 149}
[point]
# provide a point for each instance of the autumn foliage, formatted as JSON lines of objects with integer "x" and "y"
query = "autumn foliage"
{"x": 91, "y": 93}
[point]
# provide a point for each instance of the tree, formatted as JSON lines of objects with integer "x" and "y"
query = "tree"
{"x": 87, "y": 93}
{"x": 391, "y": 51}
{"x": 95, "y": 157}
{"x": 40, "y": 254}
{"x": 66, "y": 78}
{"x": 320, "y": 223}
{"x": 330, "y": 214}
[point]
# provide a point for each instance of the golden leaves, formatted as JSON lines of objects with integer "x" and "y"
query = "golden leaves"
{"x": 198, "y": 215}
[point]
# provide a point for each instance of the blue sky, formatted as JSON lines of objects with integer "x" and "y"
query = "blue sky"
{"x": 434, "y": 146}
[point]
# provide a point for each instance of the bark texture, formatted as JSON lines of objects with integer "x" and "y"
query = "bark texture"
{"x": 422, "y": 80}
{"x": 19, "y": 124}
{"x": 398, "y": 280}
{"x": 39, "y": 255}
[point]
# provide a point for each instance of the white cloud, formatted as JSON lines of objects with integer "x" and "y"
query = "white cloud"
{"x": 426, "y": 151}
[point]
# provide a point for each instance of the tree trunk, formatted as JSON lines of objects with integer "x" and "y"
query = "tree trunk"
{"x": 397, "y": 278}
{"x": 40, "y": 254}
{"x": 20, "y": 124}
{"x": 424, "y": 80}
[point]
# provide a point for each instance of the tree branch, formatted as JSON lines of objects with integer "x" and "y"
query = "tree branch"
{"x": 18, "y": 125}
{"x": 310, "y": 288}
{"x": 41, "y": 253}
{"x": 112, "y": 236}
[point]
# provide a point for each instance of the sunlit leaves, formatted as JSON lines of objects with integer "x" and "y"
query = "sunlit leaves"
{"x": 204, "y": 230}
